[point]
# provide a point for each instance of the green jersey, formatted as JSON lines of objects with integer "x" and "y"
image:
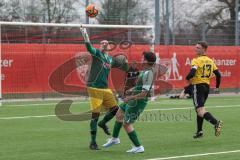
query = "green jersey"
{"x": 144, "y": 82}
{"x": 100, "y": 68}
{"x": 134, "y": 108}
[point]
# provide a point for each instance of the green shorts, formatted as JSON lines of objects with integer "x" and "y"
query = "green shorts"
{"x": 132, "y": 110}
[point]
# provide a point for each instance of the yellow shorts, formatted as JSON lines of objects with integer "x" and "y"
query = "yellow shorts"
{"x": 101, "y": 99}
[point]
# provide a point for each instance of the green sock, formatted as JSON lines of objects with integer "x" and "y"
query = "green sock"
{"x": 116, "y": 129}
{"x": 108, "y": 116}
{"x": 93, "y": 128}
{"x": 133, "y": 136}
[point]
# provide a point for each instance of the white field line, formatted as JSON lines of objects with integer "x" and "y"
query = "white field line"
{"x": 183, "y": 108}
{"x": 78, "y": 102}
{"x": 37, "y": 104}
{"x": 147, "y": 110}
{"x": 24, "y": 117}
{"x": 195, "y": 155}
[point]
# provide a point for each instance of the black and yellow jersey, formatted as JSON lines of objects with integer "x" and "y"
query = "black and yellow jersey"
{"x": 204, "y": 69}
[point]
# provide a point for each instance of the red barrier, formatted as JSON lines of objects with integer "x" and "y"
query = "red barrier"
{"x": 26, "y": 67}
{"x": 225, "y": 57}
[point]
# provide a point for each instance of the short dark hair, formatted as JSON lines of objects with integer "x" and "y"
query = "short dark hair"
{"x": 203, "y": 44}
{"x": 150, "y": 57}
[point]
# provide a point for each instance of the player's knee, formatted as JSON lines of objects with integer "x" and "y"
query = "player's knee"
{"x": 125, "y": 125}
{"x": 95, "y": 115}
{"x": 200, "y": 111}
{"x": 119, "y": 116}
{"x": 128, "y": 127}
{"x": 199, "y": 114}
{"x": 114, "y": 110}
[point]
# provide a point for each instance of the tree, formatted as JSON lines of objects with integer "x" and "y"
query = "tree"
{"x": 123, "y": 12}
{"x": 55, "y": 11}
{"x": 216, "y": 17}
{"x": 10, "y": 10}
{"x": 52, "y": 11}
{"x": 58, "y": 11}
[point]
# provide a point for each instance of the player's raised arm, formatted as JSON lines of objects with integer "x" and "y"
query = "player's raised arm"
{"x": 89, "y": 47}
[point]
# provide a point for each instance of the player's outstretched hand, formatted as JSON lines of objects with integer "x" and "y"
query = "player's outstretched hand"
{"x": 128, "y": 92}
{"x": 83, "y": 30}
{"x": 84, "y": 34}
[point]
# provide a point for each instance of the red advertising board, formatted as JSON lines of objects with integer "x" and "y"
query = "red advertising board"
{"x": 26, "y": 68}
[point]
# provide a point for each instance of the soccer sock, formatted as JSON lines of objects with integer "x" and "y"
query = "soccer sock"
{"x": 109, "y": 115}
{"x": 117, "y": 128}
{"x": 199, "y": 123}
{"x": 133, "y": 136}
{"x": 207, "y": 116}
{"x": 93, "y": 128}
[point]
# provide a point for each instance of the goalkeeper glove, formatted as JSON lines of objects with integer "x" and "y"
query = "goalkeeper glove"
{"x": 84, "y": 34}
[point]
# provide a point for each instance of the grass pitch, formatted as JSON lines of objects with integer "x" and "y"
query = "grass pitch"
{"x": 29, "y": 130}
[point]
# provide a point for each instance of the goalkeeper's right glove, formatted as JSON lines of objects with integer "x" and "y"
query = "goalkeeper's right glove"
{"x": 84, "y": 34}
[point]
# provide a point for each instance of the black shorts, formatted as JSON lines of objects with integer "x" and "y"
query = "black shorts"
{"x": 200, "y": 94}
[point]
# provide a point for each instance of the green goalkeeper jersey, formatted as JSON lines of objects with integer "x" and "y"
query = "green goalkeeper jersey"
{"x": 100, "y": 68}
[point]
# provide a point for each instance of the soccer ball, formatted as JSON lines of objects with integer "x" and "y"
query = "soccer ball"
{"x": 120, "y": 61}
{"x": 91, "y": 11}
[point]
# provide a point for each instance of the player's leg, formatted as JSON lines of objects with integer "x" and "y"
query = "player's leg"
{"x": 217, "y": 126}
{"x": 93, "y": 131}
{"x": 199, "y": 132}
{"x": 210, "y": 118}
{"x": 200, "y": 95}
{"x": 119, "y": 121}
{"x": 117, "y": 127}
{"x": 199, "y": 124}
{"x": 198, "y": 103}
{"x": 95, "y": 103}
{"x": 131, "y": 115}
{"x": 109, "y": 101}
{"x": 132, "y": 134}
{"x": 107, "y": 117}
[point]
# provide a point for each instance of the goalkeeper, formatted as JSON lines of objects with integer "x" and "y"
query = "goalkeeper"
{"x": 97, "y": 86}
